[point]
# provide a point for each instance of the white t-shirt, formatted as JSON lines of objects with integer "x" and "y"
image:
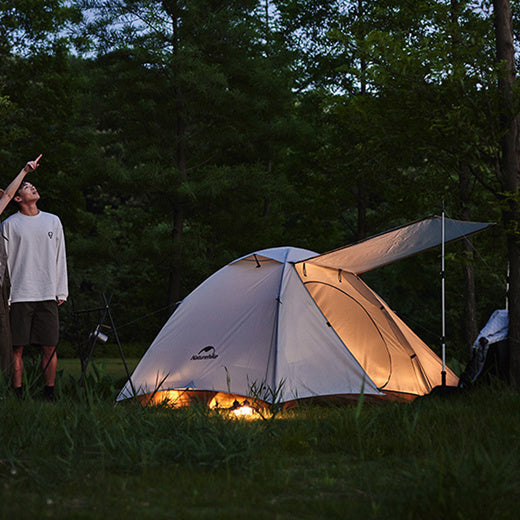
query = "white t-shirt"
{"x": 35, "y": 247}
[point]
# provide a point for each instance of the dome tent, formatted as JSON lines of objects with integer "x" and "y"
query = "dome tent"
{"x": 288, "y": 324}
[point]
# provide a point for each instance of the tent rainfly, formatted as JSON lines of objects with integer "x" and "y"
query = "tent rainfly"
{"x": 287, "y": 324}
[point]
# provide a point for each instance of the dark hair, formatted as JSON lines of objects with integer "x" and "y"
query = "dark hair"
{"x": 18, "y": 190}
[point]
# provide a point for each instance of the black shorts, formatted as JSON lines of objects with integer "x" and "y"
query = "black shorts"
{"x": 35, "y": 323}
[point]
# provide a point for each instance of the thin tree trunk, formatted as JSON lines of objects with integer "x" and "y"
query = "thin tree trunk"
{"x": 470, "y": 313}
{"x": 470, "y": 307}
{"x": 508, "y": 172}
{"x": 361, "y": 210}
{"x": 174, "y": 292}
{"x": 362, "y": 196}
{"x": 176, "y": 266}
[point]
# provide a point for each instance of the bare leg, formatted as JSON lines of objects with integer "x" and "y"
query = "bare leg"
{"x": 49, "y": 365}
{"x": 18, "y": 366}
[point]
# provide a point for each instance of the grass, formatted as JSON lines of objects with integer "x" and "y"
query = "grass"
{"x": 111, "y": 367}
{"x": 84, "y": 457}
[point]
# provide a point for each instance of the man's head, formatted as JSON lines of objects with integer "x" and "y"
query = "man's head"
{"x": 26, "y": 194}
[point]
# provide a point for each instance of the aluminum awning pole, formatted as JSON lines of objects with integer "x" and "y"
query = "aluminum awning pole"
{"x": 443, "y": 303}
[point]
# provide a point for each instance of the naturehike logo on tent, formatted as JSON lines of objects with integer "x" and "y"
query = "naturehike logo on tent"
{"x": 205, "y": 353}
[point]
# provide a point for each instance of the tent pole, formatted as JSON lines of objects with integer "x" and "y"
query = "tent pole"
{"x": 507, "y": 288}
{"x": 443, "y": 304}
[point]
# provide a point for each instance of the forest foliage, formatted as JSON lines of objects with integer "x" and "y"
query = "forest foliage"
{"x": 179, "y": 135}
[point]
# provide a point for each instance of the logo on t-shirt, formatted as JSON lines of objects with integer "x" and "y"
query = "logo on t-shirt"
{"x": 50, "y": 233}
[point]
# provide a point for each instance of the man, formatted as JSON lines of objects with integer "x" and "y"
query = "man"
{"x": 6, "y": 347}
{"x": 37, "y": 265}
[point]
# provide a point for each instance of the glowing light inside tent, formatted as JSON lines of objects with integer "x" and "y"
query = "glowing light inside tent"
{"x": 238, "y": 406}
{"x": 171, "y": 398}
{"x": 244, "y": 411}
{"x": 233, "y": 404}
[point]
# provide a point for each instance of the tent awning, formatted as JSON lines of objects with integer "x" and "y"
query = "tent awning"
{"x": 396, "y": 244}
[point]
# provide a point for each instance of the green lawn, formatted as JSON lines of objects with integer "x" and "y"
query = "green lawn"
{"x": 112, "y": 367}
{"x": 85, "y": 457}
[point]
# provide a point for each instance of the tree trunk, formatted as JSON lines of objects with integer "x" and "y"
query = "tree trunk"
{"x": 174, "y": 293}
{"x": 470, "y": 307}
{"x": 174, "y": 289}
{"x": 470, "y": 313}
{"x": 508, "y": 172}
{"x": 362, "y": 196}
{"x": 361, "y": 231}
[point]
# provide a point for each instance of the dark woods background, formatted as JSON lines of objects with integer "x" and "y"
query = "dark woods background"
{"x": 177, "y": 136}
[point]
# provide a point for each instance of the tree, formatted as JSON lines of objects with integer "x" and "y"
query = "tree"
{"x": 192, "y": 104}
{"x": 338, "y": 169}
{"x": 28, "y": 30}
{"x": 404, "y": 102}
{"x": 508, "y": 169}
{"x": 430, "y": 67}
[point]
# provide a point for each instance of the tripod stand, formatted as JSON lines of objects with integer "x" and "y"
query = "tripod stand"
{"x": 98, "y": 336}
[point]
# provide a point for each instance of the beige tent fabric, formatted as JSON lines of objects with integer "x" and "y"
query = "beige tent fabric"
{"x": 251, "y": 324}
{"x": 394, "y": 358}
{"x": 397, "y": 244}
